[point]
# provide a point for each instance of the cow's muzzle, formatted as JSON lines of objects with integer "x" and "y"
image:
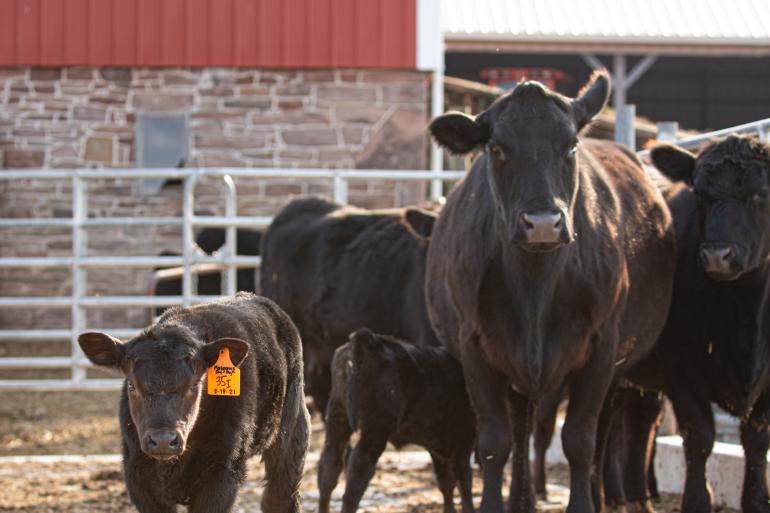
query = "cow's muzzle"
{"x": 163, "y": 444}
{"x": 541, "y": 231}
{"x": 720, "y": 261}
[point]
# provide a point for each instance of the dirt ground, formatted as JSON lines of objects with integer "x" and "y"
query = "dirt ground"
{"x": 85, "y": 423}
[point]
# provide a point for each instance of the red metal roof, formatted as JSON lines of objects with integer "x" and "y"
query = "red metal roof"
{"x": 197, "y": 33}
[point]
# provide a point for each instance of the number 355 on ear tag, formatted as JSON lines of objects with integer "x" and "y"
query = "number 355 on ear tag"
{"x": 224, "y": 378}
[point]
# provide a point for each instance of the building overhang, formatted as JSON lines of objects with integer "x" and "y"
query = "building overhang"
{"x": 626, "y": 45}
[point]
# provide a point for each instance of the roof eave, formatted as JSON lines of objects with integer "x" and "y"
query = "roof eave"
{"x": 579, "y": 44}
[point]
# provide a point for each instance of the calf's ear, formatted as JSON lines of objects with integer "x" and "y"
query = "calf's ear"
{"x": 238, "y": 350}
{"x": 458, "y": 132}
{"x": 419, "y": 222}
{"x": 102, "y": 349}
{"x": 676, "y": 163}
{"x": 592, "y": 99}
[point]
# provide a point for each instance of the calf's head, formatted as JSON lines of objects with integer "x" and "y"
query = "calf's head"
{"x": 530, "y": 143}
{"x": 731, "y": 181}
{"x": 164, "y": 374}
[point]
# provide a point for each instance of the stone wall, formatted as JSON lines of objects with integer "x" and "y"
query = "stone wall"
{"x": 84, "y": 117}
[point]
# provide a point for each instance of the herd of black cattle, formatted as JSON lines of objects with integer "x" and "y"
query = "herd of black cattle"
{"x": 559, "y": 267}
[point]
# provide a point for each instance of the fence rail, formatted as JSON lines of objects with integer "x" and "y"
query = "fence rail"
{"x": 80, "y": 262}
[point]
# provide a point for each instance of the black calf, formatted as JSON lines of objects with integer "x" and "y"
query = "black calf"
{"x": 395, "y": 392}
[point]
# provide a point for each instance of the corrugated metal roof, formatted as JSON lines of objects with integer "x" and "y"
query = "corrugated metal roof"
{"x": 195, "y": 33}
{"x": 658, "y": 21}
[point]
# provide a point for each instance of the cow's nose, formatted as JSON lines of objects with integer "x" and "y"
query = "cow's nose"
{"x": 717, "y": 258}
{"x": 542, "y": 227}
{"x": 164, "y": 442}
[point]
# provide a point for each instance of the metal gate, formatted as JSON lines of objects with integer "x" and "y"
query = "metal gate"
{"x": 80, "y": 262}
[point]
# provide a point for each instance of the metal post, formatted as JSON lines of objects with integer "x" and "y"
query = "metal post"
{"x": 625, "y": 133}
{"x": 340, "y": 188}
{"x": 666, "y": 131}
{"x": 436, "y": 108}
{"x": 229, "y": 285}
{"x": 79, "y": 241}
{"x": 619, "y": 81}
{"x": 188, "y": 211}
{"x": 763, "y": 132}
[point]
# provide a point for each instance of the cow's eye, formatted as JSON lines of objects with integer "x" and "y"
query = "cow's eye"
{"x": 572, "y": 151}
{"x": 130, "y": 386}
{"x": 496, "y": 151}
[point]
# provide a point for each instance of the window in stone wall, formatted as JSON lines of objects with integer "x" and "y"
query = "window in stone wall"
{"x": 162, "y": 140}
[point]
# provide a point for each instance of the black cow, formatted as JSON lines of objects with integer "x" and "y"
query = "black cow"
{"x": 715, "y": 346}
{"x": 208, "y": 241}
{"x": 247, "y": 241}
{"x": 551, "y": 262}
{"x": 335, "y": 269}
{"x": 183, "y": 446}
{"x": 393, "y": 391}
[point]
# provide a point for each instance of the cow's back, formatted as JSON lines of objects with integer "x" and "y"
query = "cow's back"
{"x": 335, "y": 269}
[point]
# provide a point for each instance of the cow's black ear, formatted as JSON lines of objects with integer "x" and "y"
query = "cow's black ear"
{"x": 102, "y": 349}
{"x": 238, "y": 350}
{"x": 459, "y": 133}
{"x": 592, "y": 98}
{"x": 676, "y": 163}
{"x": 420, "y": 222}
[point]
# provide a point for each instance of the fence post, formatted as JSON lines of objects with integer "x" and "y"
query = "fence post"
{"x": 667, "y": 131}
{"x": 625, "y": 133}
{"x": 189, "y": 288}
{"x": 340, "y": 188}
{"x": 228, "y": 286}
{"x": 436, "y": 153}
{"x": 763, "y": 131}
{"x": 79, "y": 241}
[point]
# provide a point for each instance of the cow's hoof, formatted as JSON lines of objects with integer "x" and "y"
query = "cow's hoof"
{"x": 755, "y": 506}
{"x": 641, "y": 507}
{"x": 617, "y": 508}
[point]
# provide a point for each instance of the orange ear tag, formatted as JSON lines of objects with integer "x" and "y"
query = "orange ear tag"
{"x": 224, "y": 378}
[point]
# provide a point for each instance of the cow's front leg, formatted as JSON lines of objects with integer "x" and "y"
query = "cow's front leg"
{"x": 588, "y": 389}
{"x": 544, "y": 426}
{"x": 488, "y": 391}
{"x": 521, "y": 498}
{"x": 642, "y": 418}
{"x": 755, "y": 440}
{"x": 140, "y": 481}
{"x": 218, "y": 496}
{"x": 614, "y": 461}
{"x": 696, "y": 425}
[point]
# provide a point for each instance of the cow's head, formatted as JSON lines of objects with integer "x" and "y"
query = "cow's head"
{"x": 530, "y": 142}
{"x": 730, "y": 179}
{"x": 164, "y": 374}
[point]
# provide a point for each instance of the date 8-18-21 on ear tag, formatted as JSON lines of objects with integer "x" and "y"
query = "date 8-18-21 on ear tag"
{"x": 224, "y": 378}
